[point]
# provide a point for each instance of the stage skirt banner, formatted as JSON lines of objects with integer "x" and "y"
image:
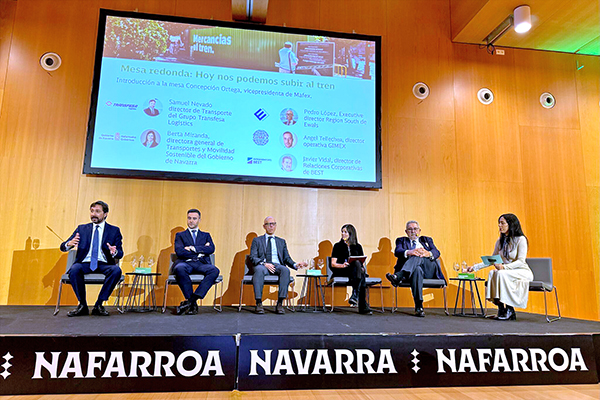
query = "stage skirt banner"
{"x": 388, "y": 361}
{"x": 102, "y": 364}
{"x": 62, "y": 364}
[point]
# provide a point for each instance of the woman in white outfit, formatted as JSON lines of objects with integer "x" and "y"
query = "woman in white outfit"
{"x": 508, "y": 283}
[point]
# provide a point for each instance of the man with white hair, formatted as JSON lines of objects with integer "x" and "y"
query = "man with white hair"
{"x": 417, "y": 260}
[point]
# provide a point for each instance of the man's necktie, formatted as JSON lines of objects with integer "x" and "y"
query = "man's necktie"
{"x": 269, "y": 250}
{"x": 413, "y": 244}
{"x": 194, "y": 236}
{"x": 95, "y": 246}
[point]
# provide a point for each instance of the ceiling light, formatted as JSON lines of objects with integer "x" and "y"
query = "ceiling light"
{"x": 522, "y": 19}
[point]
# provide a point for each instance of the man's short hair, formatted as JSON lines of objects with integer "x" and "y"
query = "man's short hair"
{"x": 152, "y": 101}
{"x": 101, "y": 204}
{"x": 412, "y": 222}
{"x": 195, "y": 210}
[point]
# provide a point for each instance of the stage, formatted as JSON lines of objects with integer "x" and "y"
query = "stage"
{"x": 145, "y": 352}
{"x": 38, "y": 320}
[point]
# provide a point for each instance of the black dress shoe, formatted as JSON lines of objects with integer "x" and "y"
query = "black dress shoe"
{"x": 100, "y": 311}
{"x": 393, "y": 278}
{"x": 183, "y": 307}
{"x": 279, "y": 309}
{"x": 510, "y": 315}
{"x": 419, "y": 312}
{"x": 365, "y": 311}
{"x": 79, "y": 311}
{"x": 259, "y": 309}
{"x": 193, "y": 310}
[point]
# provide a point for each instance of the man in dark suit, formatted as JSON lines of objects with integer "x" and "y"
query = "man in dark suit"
{"x": 99, "y": 246}
{"x": 417, "y": 260}
{"x": 269, "y": 255}
{"x": 151, "y": 111}
{"x": 193, "y": 248}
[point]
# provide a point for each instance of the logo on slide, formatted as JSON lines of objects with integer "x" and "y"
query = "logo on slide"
{"x": 260, "y": 137}
{"x": 254, "y": 160}
{"x": 261, "y": 114}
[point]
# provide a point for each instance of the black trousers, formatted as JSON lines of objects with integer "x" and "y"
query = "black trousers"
{"x": 414, "y": 271}
{"x": 183, "y": 270}
{"x": 357, "y": 276}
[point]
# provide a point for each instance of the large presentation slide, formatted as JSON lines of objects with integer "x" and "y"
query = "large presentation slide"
{"x": 181, "y": 100}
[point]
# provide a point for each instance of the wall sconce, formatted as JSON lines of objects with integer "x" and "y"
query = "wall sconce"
{"x": 520, "y": 19}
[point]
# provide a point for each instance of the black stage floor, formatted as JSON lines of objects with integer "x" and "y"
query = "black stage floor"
{"x": 38, "y": 320}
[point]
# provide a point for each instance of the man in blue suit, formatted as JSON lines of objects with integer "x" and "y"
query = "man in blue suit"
{"x": 270, "y": 256}
{"x": 193, "y": 248}
{"x": 99, "y": 246}
{"x": 417, "y": 260}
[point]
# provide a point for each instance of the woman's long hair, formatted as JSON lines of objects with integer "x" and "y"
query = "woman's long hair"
{"x": 514, "y": 230}
{"x": 352, "y": 239}
{"x": 153, "y": 142}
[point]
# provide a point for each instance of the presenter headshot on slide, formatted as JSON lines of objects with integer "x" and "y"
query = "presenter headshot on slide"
{"x": 150, "y": 139}
{"x": 290, "y": 118}
{"x": 269, "y": 255}
{"x": 417, "y": 260}
{"x": 342, "y": 250}
{"x": 508, "y": 283}
{"x": 99, "y": 247}
{"x": 151, "y": 111}
{"x": 193, "y": 248}
{"x": 288, "y": 139}
{"x": 287, "y": 59}
{"x": 287, "y": 164}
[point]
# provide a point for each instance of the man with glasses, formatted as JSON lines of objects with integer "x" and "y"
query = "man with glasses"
{"x": 270, "y": 256}
{"x": 417, "y": 260}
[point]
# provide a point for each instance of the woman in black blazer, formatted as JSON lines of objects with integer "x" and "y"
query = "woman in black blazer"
{"x": 342, "y": 250}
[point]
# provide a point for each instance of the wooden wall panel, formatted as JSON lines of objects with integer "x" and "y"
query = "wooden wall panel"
{"x": 8, "y": 9}
{"x": 558, "y": 224}
{"x": 449, "y": 162}
{"x": 419, "y": 50}
{"x": 538, "y": 72}
{"x": 293, "y": 13}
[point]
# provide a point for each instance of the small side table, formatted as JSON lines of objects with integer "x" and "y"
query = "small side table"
{"x": 142, "y": 297}
{"x": 312, "y": 286}
{"x": 462, "y": 282}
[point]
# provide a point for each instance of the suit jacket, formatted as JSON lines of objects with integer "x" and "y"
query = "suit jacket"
{"x": 403, "y": 244}
{"x": 150, "y": 113}
{"x": 111, "y": 235}
{"x": 184, "y": 239}
{"x": 258, "y": 251}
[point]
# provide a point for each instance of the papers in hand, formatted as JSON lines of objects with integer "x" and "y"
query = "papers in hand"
{"x": 360, "y": 259}
{"x": 491, "y": 260}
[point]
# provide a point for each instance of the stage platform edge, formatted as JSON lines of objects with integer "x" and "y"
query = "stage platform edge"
{"x": 62, "y": 364}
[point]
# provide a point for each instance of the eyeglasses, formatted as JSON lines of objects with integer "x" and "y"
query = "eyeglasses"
{"x": 413, "y": 229}
{"x": 270, "y": 223}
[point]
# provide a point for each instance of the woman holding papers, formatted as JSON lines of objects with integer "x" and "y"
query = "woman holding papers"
{"x": 508, "y": 282}
{"x": 347, "y": 261}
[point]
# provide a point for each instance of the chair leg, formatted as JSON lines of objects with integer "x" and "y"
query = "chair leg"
{"x": 395, "y": 306}
{"x": 219, "y": 307}
{"x": 57, "y": 308}
{"x": 332, "y": 298}
{"x": 119, "y": 296}
{"x": 164, "y": 306}
{"x": 557, "y": 306}
{"x": 381, "y": 293}
{"x": 446, "y": 302}
{"x": 241, "y": 294}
